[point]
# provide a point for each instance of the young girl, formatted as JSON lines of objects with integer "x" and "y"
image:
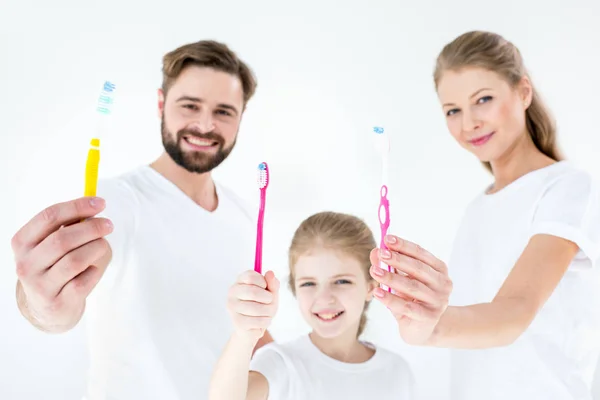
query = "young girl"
{"x": 329, "y": 264}
{"x": 525, "y": 319}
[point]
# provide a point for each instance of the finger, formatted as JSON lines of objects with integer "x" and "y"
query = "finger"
{"x": 253, "y": 309}
{"x": 251, "y": 293}
{"x": 252, "y": 277}
{"x": 82, "y": 285}
{"x": 74, "y": 263}
{"x": 272, "y": 282}
{"x": 63, "y": 241}
{"x": 405, "y": 286}
{"x": 415, "y": 251}
{"x": 249, "y": 323}
{"x": 417, "y": 269}
{"x": 401, "y": 307}
{"x": 52, "y": 218}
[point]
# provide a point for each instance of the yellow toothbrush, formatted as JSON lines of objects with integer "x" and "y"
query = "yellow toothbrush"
{"x": 92, "y": 164}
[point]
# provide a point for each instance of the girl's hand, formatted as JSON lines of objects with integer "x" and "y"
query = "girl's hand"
{"x": 252, "y": 304}
{"x": 420, "y": 288}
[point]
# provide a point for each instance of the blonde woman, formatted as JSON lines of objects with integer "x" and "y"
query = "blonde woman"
{"x": 524, "y": 318}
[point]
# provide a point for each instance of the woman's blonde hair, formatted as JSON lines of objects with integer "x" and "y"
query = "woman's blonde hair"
{"x": 336, "y": 231}
{"x": 492, "y": 52}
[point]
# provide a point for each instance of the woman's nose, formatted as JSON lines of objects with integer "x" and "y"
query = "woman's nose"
{"x": 470, "y": 122}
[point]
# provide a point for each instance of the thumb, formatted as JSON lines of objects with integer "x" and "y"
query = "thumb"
{"x": 272, "y": 282}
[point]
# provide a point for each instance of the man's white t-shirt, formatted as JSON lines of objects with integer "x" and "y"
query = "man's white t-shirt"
{"x": 556, "y": 356}
{"x": 298, "y": 370}
{"x": 157, "y": 321}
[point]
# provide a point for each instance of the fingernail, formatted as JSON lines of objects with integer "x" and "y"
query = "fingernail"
{"x": 378, "y": 271}
{"x": 385, "y": 253}
{"x": 109, "y": 224}
{"x": 96, "y": 202}
{"x": 378, "y": 293}
{"x": 390, "y": 239}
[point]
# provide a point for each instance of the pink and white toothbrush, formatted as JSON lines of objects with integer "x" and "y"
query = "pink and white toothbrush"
{"x": 383, "y": 146}
{"x": 263, "y": 182}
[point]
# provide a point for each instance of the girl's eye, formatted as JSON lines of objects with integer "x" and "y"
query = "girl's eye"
{"x": 306, "y": 284}
{"x": 452, "y": 112}
{"x": 343, "y": 281}
{"x": 484, "y": 99}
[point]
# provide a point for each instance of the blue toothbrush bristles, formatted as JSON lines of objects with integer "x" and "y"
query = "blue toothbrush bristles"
{"x": 105, "y": 100}
{"x": 378, "y": 129}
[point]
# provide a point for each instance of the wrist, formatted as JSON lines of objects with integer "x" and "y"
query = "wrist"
{"x": 245, "y": 339}
{"x": 37, "y": 320}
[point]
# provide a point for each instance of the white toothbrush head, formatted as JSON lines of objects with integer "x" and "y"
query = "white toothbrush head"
{"x": 262, "y": 175}
{"x": 382, "y": 142}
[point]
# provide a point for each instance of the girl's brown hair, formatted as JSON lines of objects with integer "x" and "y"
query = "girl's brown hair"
{"x": 492, "y": 52}
{"x": 336, "y": 231}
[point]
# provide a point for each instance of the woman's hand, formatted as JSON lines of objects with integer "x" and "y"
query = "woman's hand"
{"x": 252, "y": 304}
{"x": 420, "y": 288}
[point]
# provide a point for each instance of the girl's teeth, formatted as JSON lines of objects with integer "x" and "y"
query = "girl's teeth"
{"x": 329, "y": 316}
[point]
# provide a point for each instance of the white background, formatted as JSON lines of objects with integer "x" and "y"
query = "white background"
{"x": 326, "y": 74}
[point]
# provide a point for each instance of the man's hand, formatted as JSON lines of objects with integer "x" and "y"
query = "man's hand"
{"x": 59, "y": 260}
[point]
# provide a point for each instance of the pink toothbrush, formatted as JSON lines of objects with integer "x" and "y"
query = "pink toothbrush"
{"x": 384, "y": 223}
{"x": 383, "y": 146}
{"x": 263, "y": 182}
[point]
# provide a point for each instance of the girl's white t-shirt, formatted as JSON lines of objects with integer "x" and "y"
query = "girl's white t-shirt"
{"x": 298, "y": 370}
{"x": 555, "y": 358}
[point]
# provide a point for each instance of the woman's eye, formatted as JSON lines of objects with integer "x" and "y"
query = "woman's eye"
{"x": 305, "y": 284}
{"x": 484, "y": 99}
{"x": 452, "y": 112}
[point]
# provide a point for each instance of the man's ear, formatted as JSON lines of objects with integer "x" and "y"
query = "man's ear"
{"x": 161, "y": 103}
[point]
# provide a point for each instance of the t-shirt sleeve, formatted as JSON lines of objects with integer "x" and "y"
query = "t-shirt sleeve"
{"x": 269, "y": 361}
{"x": 121, "y": 208}
{"x": 570, "y": 209}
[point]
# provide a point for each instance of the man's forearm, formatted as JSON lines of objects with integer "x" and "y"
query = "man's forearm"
{"x": 37, "y": 322}
{"x": 484, "y": 325}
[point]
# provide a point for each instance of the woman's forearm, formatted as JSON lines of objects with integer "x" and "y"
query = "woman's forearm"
{"x": 230, "y": 377}
{"x": 484, "y": 325}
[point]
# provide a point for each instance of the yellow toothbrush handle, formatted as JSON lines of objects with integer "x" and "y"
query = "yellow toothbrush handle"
{"x": 91, "y": 168}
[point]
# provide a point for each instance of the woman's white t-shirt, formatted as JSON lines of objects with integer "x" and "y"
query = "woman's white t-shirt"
{"x": 298, "y": 370}
{"x": 556, "y": 357}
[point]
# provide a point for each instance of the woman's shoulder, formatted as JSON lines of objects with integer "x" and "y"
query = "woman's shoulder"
{"x": 569, "y": 184}
{"x": 569, "y": 172}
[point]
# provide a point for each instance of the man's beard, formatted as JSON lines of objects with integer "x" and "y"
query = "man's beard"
{"x": 197, "y": 161}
